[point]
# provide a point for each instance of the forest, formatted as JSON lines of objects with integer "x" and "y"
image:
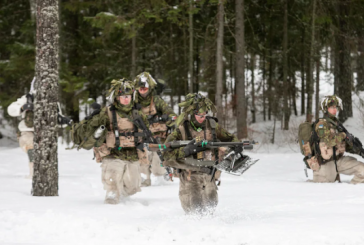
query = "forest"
{"x": 200, "y": 45}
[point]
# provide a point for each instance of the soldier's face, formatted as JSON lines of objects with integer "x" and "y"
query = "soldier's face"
{"x": 143, "y": 91}
{"x": 332, "y": 110}
{"x": 125, "y": 99}
{"x": 200, "y": 117}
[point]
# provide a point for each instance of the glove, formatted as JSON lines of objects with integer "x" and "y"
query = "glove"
{"x": 27, "y": 107}
{"x": 192, "y": 149}
{"x": 164, "y": 118}
{"x": 64, "y": 121}
{"x": 350, "y": 138}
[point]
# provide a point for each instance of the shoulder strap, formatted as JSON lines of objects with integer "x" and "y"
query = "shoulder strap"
{"x": 115, "y": 126}
{"x": 212, "y": 123}
{"x": 135, "y": 115}
{"x": 187, "y": 130}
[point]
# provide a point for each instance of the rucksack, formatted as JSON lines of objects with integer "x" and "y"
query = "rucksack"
{"x": 82, "y": 132}
{"x": 305, "y": 131}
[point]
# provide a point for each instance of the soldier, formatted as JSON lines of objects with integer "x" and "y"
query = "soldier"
{"x": 116, "y": 146}
{"x": 330, "y": 144}
{"x": 24, "y": 107}
{"x": 161, "y": 118}
{"x": 197, "y": 191}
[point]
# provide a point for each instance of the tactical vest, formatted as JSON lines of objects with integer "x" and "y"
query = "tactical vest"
{"x": 128, "y": 136}
{"x": 327, "y": 152}
{"x": 207, "y": 134}
{"x": 160, "y": 128}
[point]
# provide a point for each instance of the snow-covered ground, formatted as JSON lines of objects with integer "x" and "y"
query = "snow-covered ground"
{"x": 270, "y": 204}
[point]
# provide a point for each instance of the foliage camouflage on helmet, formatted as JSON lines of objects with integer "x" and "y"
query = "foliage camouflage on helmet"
{"x": 194, "y": 103}
{"x": 143, "y": 79}
{"x": 120, "y": 87}
{"x": 331, "y": 100}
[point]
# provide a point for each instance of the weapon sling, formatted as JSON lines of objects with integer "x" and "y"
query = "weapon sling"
{"x": 212, "y": 123}
{"x": 115, "y": 127}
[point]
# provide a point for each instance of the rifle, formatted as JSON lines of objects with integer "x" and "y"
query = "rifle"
{"x": 147, "y": 139}
{"x": 233, "y": 163}
{"x": 246, "y": 145}
{"x": 156, "y": 119}
{"x": 357, "y": 145}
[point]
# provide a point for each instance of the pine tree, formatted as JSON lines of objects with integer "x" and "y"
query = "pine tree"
{"x": 45, "y": 179}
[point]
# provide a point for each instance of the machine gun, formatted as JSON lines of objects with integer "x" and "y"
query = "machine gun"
{"x": 147, "y": 139}
{"x": 357, "y": 145}
{"x": 235, "y": 162}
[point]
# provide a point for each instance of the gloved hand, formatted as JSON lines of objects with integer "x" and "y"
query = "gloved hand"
{"x": 64, "y": 121}
{"x": 349, "y": 138}
{"x": 164, "y": 118}
{"x": 27, "y": 107}
{"x": 192, "y": 149}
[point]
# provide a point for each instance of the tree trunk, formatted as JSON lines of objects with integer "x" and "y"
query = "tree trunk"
{"x": 45, "y": 179}
{"x": 242, "y": 130}
{"x": 33, "y": 7}
{"x": 219, "y": 61}
{"x": 190, "y": 60}
{"x": 360, "y": 62}
{"x": 303, "y": 72}
{"x": 133, "y": 55}
{"x": 252, "y": 61}
{"x": 309, "y": 85}
{"x": 263, "y": 85}
{"x": 286, "y": 109}
{"x": 345, "y": 71}
{"x": 317, "y": 113}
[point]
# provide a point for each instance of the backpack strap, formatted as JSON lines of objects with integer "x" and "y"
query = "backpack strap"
{"x": 187, "y": 130}
{"x": 115, "y": 127}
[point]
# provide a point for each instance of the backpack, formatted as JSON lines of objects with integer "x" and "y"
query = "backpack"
{"x": 305, "y": 131}
{"x": 82, "y": 133}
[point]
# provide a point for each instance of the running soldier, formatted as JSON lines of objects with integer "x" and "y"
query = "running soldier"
{"x": 197, "y": 189}
{"x": 24, "y": 107}
{"x": 160, "y": 116}
{"x": 114, "y": 137}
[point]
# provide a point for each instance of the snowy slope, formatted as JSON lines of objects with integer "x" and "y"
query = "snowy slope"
{"x": 270, "y": 204}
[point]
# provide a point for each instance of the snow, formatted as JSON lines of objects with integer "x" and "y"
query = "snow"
{"x": 270, "y": 204}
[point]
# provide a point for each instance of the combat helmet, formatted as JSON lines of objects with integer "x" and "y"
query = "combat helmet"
{"x": 195, "y": 103}
{"x": 120, "y": 87}
{"x": 331, "y": 100}
{"x": 145, "y": 80}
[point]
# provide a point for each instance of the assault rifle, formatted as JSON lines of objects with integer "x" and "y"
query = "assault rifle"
{"x": 148, "y": 138}
{"x": 357, "y": 145}
{"x": 156, "y": 119}
{"x": 233, "y": 163}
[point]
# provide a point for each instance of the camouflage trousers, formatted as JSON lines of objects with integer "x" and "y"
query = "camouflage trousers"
{"x": 27, "y": 145}
{"x": 198, "y": 195}
{"x": 120, "y": 178}
{"x": 154, "y": 167}
{"x": 346, "y": 165}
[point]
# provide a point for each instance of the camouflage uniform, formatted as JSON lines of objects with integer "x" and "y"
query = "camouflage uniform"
{"x": 23, "y": 107}
{"x": 120, "y": 165}
{"x": 333, "y": 144}
{"x": 153, "y": 106}
{"x": 197, "y": 193}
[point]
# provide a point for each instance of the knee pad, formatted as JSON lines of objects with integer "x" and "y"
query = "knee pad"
{"x": 31, "y": 155}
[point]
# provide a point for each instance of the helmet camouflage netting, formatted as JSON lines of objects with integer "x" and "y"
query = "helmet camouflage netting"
{"x": 144, "y": 79}
{"x": 120, "y": 87}
{"x": 331, "y": 100}
{"x": 194, "y": 103}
